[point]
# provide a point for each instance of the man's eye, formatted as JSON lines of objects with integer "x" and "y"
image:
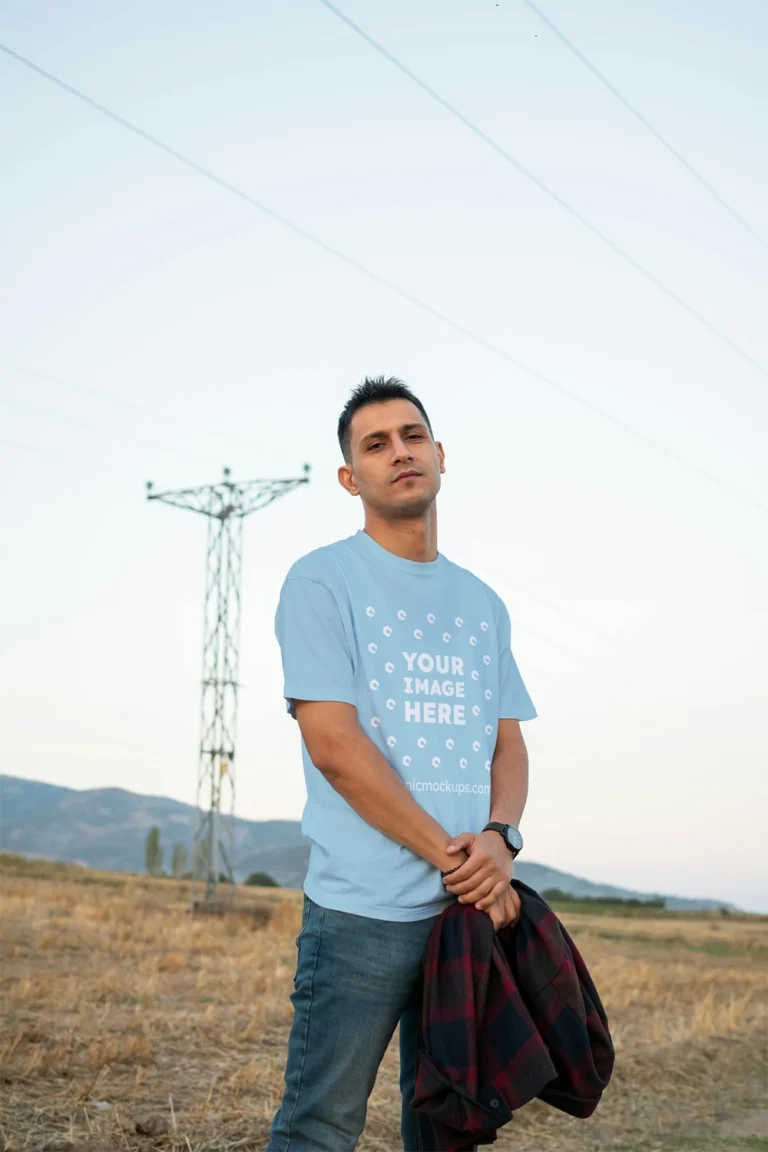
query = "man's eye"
{"x": 415, "y": 436}
{"x": 371, "y": 447}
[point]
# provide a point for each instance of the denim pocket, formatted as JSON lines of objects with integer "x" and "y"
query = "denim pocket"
{"x": 305, "y": 911}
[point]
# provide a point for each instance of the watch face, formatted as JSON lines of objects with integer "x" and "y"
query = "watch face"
{"x": 514, "y": 838}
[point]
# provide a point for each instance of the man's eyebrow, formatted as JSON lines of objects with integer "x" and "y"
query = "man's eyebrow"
{"x": 384, "y": 435}
{"x": 373, "y": 436}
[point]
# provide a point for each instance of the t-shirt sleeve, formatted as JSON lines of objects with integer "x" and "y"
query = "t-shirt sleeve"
{"x": 317, "y": 662}
{"x": 514, "y": 701}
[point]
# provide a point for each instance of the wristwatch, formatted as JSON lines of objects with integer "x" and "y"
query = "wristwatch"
{"x": 512, "y": 837}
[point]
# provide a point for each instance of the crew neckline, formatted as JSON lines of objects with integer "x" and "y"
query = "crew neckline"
{"x": 366, "y": 544}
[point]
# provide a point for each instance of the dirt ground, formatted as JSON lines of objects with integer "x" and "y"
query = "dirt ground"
{"x": 128, "y": 1024}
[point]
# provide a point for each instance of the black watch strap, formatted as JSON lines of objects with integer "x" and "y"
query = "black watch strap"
{"x": 496, "y": 826}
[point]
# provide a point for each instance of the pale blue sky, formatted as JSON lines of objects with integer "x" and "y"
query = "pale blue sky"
{"x": 636, "y": 588}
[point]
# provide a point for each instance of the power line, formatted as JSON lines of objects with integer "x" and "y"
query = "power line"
{"x": 135, "y": 404}
{"x": 383, "y": 282}
{"x": 645, "y": 122}
{"x": 579, "y": 657}
{"x": 503, "y": 578}
{"x": 34, "y": 450}
{"x": 52, "y": 415}
{"x": 574, "y": 212}
{"x": 28, "y": 448}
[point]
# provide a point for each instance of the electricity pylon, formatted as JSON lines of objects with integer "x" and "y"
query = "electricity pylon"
{"x": 226, "y": 505}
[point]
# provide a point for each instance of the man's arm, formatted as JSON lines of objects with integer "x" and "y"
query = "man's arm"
{"x": 357, "y": 770}
{"x": 479, "y": 882}
{"x": 509, "y": 774}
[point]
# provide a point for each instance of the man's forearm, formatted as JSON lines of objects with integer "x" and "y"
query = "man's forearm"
{"x": 368, "y": 782}
{"x": 509, "y": 781}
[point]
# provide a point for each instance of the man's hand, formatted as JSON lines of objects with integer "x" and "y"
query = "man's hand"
{"x": 505, "y": 910}
{"x": 486, "y": 874}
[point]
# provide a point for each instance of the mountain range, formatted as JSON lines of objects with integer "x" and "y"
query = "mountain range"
{"x": 106, "y": 828}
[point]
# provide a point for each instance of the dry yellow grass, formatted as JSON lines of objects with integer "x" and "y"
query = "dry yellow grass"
{"x": 118, "y": 1007}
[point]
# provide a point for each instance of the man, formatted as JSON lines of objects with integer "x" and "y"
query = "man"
{"x": 399, "y": 672}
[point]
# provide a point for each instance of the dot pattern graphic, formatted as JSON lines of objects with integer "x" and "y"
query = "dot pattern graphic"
{"x": 434, "y": 684}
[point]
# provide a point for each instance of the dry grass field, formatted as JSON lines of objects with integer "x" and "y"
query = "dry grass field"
{"x": 129, "y": 1024}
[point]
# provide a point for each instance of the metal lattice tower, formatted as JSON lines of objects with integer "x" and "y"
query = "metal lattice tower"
{"x": 226, "y": 505}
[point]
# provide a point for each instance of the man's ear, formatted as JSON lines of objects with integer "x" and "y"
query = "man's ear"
{"x": 347, "y": 480}
{"x": 440, "y": 455}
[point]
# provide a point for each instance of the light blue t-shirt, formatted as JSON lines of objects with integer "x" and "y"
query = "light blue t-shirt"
{"x": 422, "y": 650}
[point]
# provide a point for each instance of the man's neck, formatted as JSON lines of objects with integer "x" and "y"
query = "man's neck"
{"x": 411, "y": 539}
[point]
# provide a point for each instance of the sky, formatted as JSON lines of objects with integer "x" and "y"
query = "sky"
{"x": 157, "y": 327}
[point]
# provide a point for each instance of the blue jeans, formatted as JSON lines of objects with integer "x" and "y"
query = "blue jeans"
{"x": 356, "y": 977}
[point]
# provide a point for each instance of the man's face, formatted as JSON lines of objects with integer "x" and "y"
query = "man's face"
{"x": 395, "y": 465}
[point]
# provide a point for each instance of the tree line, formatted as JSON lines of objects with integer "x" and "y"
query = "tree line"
{"x": 557, "y": 896}
{"x": 196, "y": 869}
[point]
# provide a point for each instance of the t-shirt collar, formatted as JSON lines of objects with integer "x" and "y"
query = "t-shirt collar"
{"x": 369, "y": 547}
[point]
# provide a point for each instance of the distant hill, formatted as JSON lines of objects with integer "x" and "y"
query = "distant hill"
{"x": 107, "y": 828}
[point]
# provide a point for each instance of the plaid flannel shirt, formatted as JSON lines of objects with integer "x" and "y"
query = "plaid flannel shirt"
{"x": 506, "y": 1017}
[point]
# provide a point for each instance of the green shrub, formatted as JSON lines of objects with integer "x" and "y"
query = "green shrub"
{"x": 261, "y": 880}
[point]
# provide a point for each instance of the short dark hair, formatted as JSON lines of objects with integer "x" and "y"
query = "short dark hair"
{"x": 375, "y": 390}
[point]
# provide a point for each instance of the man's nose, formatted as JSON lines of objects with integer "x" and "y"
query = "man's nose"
{"x": 401, "y": 450}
